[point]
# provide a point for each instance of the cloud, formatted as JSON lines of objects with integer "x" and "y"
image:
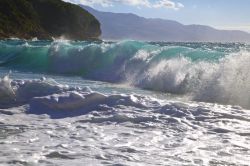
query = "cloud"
{"x": 168, "y": 4}
{"x": 139, "y": 3}
{"x": 104, "y": 3}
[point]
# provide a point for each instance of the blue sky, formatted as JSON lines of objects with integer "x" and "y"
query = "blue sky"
{"x": 222, "y": 14}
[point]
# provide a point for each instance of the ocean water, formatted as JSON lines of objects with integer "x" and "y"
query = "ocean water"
{"x": 124, "y": 103}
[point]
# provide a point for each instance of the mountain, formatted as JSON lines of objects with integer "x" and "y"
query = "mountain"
{"x": 45, "y": 19}
{"x": 117, "y": 26}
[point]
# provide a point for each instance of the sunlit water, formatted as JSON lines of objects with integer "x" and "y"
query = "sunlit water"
{"x": 197, "y": 113}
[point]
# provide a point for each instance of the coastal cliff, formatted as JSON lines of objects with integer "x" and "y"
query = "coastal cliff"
{"x": 46, "y": 19}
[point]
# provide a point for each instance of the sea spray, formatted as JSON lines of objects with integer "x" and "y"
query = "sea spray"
{"x": 7, "y": 93}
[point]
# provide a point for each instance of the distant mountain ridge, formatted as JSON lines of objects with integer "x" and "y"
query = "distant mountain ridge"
{"x": 46, "y": 19}
{"x": 118, "y": 26}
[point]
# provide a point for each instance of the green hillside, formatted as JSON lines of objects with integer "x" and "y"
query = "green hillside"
{"x": 46, "y": 19}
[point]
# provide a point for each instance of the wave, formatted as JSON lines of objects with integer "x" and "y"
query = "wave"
{"x": 90, "y": 58}
{"x": 204, "y": 71}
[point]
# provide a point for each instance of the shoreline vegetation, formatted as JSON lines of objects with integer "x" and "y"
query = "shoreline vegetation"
{"x": 46, "y": 19}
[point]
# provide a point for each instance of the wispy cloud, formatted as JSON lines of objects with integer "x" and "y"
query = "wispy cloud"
{"x": 167, "y": 4}
{"x": 139, "y": 3}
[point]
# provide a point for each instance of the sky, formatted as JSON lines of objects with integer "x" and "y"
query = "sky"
{"x": 221, "y": 14}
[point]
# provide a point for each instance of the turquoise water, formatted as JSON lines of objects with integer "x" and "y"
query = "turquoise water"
{"x": 85, "y": 58}
{"x": 80, "y": 58}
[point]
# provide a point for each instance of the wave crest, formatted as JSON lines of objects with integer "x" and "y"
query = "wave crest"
{"x": 204, "y": 71}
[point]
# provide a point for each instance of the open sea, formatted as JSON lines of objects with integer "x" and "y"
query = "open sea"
{"x": 125, "y": 103}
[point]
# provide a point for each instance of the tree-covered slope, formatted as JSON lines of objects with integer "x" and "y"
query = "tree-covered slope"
{"x": 46, "y": 19}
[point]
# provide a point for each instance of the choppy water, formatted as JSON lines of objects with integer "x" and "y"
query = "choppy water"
{"x": 193, "y": 109}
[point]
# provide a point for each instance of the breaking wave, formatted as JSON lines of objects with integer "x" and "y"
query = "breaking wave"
{"x": 204, "y": 71}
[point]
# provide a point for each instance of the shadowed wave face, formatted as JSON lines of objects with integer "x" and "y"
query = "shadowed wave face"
{"x": 211, "y": 72}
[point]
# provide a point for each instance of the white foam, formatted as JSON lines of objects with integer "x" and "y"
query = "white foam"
{"x": 47, "y": 94}
{"x": 7, "y": 94}
{"x": 226, "y": 81}
{"x": 15, "y": 92}
{"x": 69, "y": 101}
